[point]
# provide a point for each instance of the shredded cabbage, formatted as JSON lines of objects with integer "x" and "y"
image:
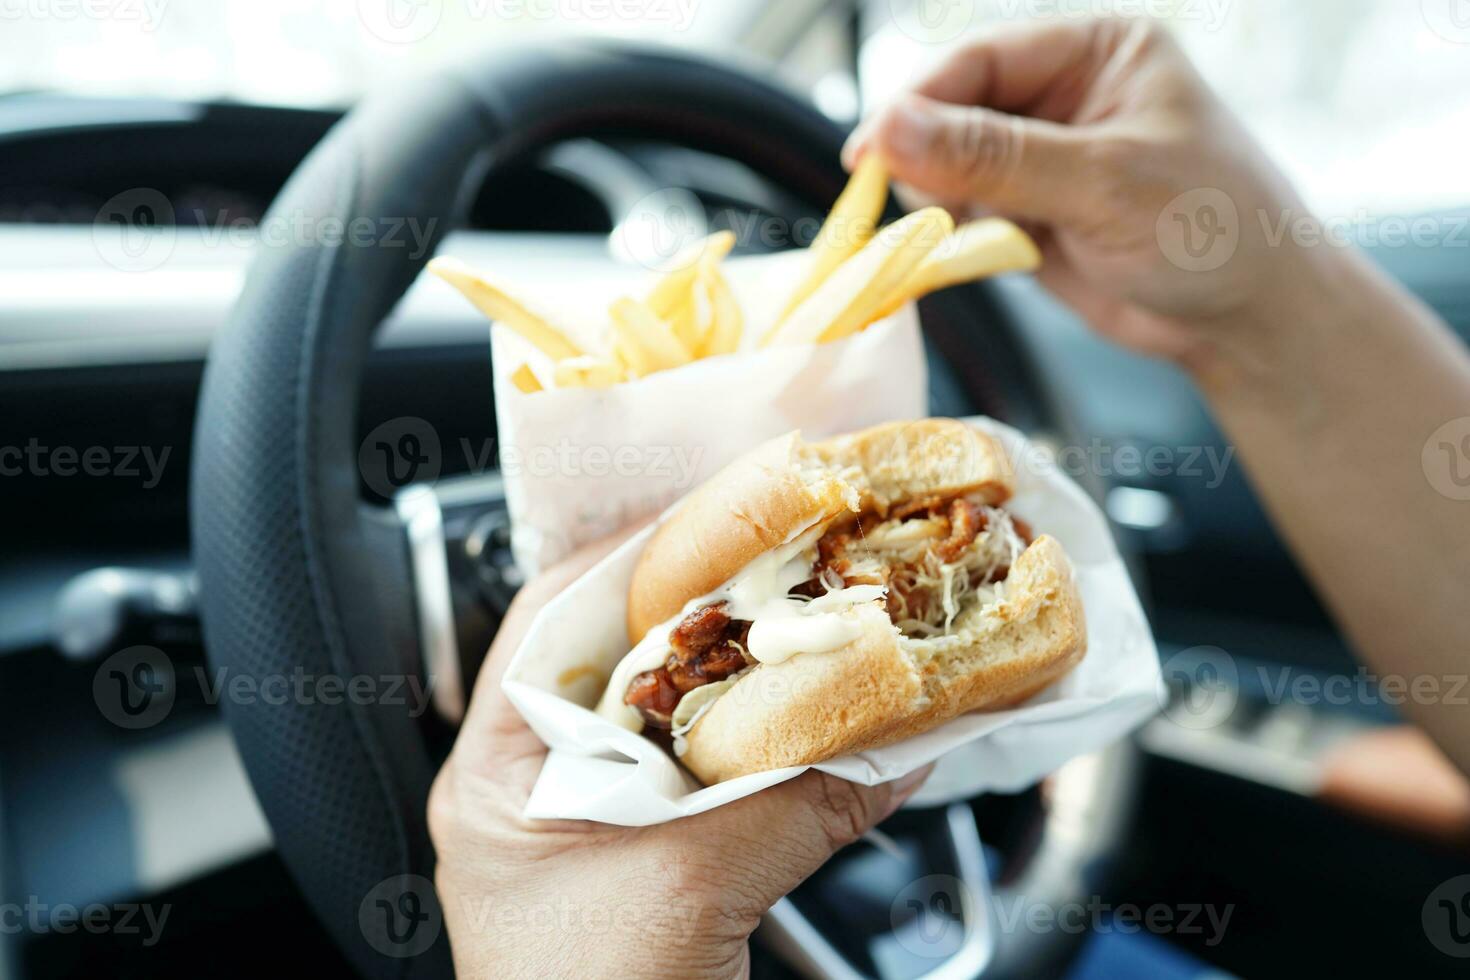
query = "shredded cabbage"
{"x": 947, "y": 588}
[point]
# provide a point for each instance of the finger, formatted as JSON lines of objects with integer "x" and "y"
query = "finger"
{"x": 788, "y": 831}
{"x": 1034, "y": 70}
{"x": 1025, "y": 168}
{"x": 491, "y": 716}
{"x": 1016, "y": 67}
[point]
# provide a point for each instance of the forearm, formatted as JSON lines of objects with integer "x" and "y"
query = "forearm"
{"x": 1331, "y": 400}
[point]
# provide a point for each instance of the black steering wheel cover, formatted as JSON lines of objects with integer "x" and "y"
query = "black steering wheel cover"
{"x": 288, "y": 574}
{"x": 293, "y": 577}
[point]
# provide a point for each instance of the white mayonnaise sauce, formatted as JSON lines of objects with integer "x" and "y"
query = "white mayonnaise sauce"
{"x": 780, "y": 626}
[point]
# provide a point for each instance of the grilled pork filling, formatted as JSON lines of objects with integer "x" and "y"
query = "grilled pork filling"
{"x": 932, "y": 558}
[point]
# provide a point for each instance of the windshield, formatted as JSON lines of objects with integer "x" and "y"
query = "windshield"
{"x": 298, "y": 52}
{"x": 1364, "y": 103}
{"x": 1358, "y": 99}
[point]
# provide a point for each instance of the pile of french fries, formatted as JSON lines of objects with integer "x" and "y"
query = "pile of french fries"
{"x": 857, "y": 273}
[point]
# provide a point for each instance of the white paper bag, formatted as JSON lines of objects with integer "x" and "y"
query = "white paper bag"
{"x": 598, "y": 771}
{"x": 579, "y": 464}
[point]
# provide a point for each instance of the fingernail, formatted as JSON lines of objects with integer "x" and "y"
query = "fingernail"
{"x": 853, "y": 147}
{"x": 912, "y": 128}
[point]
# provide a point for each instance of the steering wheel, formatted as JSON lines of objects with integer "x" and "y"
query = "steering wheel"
{"x": 298, "y": 573}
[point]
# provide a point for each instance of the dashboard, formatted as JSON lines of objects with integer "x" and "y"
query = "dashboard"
{"x": 217, "y": 166}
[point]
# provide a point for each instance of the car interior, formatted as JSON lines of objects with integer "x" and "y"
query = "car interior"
{"x": 1287, "y": 831}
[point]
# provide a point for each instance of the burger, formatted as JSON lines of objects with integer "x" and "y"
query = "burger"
{"x": 817, "y": 599}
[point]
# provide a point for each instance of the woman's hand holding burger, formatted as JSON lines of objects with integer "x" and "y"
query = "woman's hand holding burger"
{"x": 539, "y": 898}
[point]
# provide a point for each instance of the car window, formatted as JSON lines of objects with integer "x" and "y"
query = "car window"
{"x": 298, "y": 52}
{"x": 1365, "y": 103}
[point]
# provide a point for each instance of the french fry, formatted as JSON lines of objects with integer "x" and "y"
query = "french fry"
{"x": 727, "y": 323}
{"x": 644, "y": 341}
{"x": 851, "y": 223}
{"x": 977, "y": 250}
{"x": 673, "y": 290}
{"x": 523, "y": 378}
{"x": 846, "y": 301}
{"x": 501, "y": 307}
{"x": 588, "y": 372}
{"x": 673, "y": 298}
{"x": 620, "y": 357}
{"x": 683, "y": 320}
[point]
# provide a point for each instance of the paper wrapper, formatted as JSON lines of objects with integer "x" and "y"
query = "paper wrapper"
{"x": 598, "y": 771}
{"x": 579, "y": 464}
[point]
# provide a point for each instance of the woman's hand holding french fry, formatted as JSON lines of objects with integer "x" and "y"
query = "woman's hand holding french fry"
{"x": 856, "y": 274}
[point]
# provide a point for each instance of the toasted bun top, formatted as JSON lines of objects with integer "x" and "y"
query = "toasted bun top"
{"x": 786, "y": 487}
{"x": 759, "y": 502}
